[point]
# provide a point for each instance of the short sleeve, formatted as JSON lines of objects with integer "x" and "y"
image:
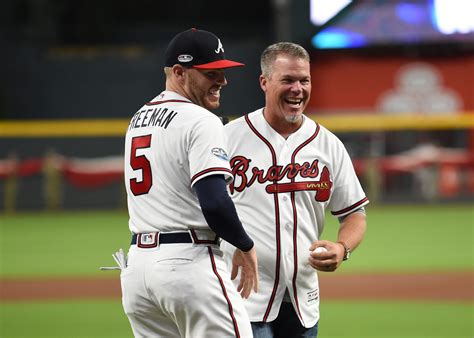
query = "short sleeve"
{"x": 207, "y": 150}
{"x": 348, "y": 194}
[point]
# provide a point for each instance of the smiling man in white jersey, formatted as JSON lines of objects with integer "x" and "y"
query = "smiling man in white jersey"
{"x": 176, "y": 283}
{"x": 287, "y": 171}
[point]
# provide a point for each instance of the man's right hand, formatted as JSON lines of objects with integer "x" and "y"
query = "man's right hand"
{"x": 247, "y": 261}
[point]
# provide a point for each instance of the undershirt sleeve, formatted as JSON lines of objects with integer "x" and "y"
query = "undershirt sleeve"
{"x": 220, "y": 213}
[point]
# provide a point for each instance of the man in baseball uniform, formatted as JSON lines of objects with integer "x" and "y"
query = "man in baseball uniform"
{"x": 287, "y": 171}
{"x": 176, "y": 283}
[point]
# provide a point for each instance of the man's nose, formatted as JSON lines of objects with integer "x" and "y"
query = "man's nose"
{"x": 221, "y": 80}
{"x": 296, "y": 87}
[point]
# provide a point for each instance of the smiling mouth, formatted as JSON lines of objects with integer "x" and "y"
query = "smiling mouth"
{"x": 294, "y": 102}
{"x": 215, "y": 92}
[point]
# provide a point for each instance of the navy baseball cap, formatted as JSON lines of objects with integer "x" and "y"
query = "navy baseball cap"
{"x": 197, "y": 49}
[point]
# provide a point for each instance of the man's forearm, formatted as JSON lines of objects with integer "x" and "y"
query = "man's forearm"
{"x": 352, "y": 230}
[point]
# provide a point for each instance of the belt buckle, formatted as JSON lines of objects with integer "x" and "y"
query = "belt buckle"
{"x": 206, "y": 240}
{"x": 147, "y": 240}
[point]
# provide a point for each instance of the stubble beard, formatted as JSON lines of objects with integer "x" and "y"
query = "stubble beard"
{"x": 200, "y": 96}
{"x": 293, "y": 118}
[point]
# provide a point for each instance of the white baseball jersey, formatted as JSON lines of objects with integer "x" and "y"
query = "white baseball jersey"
{"x": 176, "y": 289}
{"x": 171, "y": 143}
{"x": 281, "y": 189}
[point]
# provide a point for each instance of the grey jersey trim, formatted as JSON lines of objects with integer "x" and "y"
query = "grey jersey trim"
{"x": 342, "y": 218}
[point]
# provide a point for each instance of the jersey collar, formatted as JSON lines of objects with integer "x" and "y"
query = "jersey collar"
{"x": 168, "y": 95}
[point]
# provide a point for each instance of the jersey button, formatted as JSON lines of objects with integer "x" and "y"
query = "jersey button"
{"x": 285, "y": 198}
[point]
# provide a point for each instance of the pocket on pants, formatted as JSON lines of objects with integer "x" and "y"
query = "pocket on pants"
{"x": 174, "y": 261}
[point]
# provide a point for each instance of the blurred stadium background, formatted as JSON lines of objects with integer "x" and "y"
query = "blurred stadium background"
{"x": 393, "y": 79}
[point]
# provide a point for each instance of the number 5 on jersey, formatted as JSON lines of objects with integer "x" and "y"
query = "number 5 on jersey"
{"x": 140, "y": 163}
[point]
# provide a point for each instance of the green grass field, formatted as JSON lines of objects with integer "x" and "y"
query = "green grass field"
{"x": 93, "y": 319}
{"x": 64, "y": 319}
{"x": 413, "y": 238}
{"x": 396, "y": 320}
{"x": 404, "y": 238}
{"x": 399, "y": 238}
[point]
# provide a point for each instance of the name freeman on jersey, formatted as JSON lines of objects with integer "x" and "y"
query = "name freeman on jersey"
{"x": 152, "y": 117}
{"x": 322, "y": 187}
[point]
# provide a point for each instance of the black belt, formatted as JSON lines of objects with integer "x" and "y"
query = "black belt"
{"x": 168, "y": 238}
{"x": 153, "y": 239}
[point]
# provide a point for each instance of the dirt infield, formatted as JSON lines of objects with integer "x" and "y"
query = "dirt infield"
{"x": 456, "y": 286}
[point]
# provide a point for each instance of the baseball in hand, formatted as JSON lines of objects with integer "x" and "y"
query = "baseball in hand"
{"x": 320, "y": 249}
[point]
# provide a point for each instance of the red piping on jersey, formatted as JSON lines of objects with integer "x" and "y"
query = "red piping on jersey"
{"x": 295, "y": 224}
{"x": 165, "y": 101}
{"x": 224, "y": 291}
{"x": 353, "y": 206}
{"x": 277, "y": 222}
{"x": 208, "y": 170}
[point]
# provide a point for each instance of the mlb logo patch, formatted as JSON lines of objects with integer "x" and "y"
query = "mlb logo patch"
{"x": 148, "y": 240}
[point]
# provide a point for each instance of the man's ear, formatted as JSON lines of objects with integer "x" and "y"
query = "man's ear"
{"x": 263, "y": 83}
{"x": 178, "y": 71}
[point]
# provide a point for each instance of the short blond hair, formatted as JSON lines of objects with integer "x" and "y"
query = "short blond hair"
{"x": 167, "y": 71}
{"x": 270, "y": 54}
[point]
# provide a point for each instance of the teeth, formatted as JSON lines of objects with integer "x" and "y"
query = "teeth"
{"x": 294, "y": 101}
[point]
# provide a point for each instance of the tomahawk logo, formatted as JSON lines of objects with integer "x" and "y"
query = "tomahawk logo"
{"x": 220, "y": 48}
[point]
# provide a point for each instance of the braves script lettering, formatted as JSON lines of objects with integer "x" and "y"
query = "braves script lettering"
{"x": 240, "y": 166}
